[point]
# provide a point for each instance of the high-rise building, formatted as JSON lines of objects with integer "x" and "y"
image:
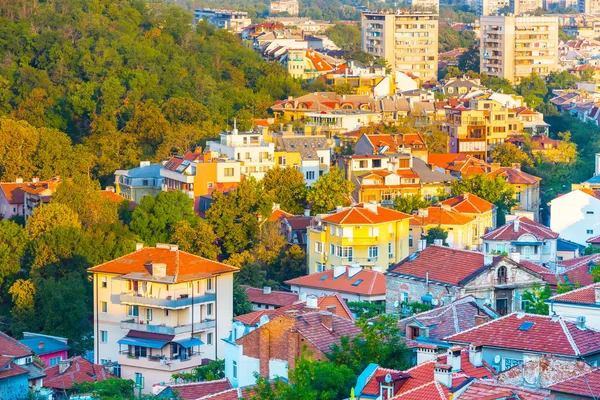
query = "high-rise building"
{"x": 491, "y": 7}
{"x": 518, "y": 7}
{"x": 513, "y": 47}
{"x": 425, "y": 5}
{"x": 407, "y": 40}
{"x": 589, "y": 6}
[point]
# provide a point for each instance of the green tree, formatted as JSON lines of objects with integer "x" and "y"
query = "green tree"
{"x": 50, "y": 216}
{"x": 329, "y": 191}
{"x": 497, "y": 84}
{"x": 344, "y": 35}
{"x": 436, "y": 233}
{"x": 408, "y": 204}
{"x": 562, "y": 80}
{"x": 533, "y": 88}
{"x": 114, "y": 388}
{"x": 536, "y": 299}
{"x": 469, "y": 60}
{"x": 196, "y": 236}
{"x": 241, "y": 304}
{"x": 291, "y": 264}
{"x": 286, "y": 187}
{"x": 437, "y": 142}
{"x": 507, "y": 154}
{"x": 591, "y": 249}
{"x": 13, "y": 242}
{"x": 496, "y": 190}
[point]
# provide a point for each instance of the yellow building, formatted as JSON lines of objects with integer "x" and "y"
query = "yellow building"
{"x": 527, "y": 189}
{"x": 483, "y": 212}
{"x": 364, "y": 234}
{"x": 459, "y": 226}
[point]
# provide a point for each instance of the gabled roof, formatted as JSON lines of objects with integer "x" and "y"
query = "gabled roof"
{"x": 582, "y": 296}
{"x": 442, "y": 216}
{"x": 578, "y": 270}
{"x": 9, "y": 369}
{"x": 525, "y": 226}
{"x": 469, "y": 203}
{"x": 49, "y": 344}
{"x": 515, "y": 176}
{"x": 462, "y": 163}
{"x": 307, "y": 146}
{"x": 481, "y": 389}
{"x": 431, "y": 263}
{"x": 12, "y": 347}
{"x": 310, "y": 326}
{"x": 586, "y": 384}
{"x": 533, "y": 333}
{"x": 193, "y": 391}
{"x": 428, "y": 176}
{"x": 79, "y": 370}
{"x": 13, "y": 193}
{"x": 274, "y": 298}
{"x": 364, "y": 282}
{"x": 362, "y": 214}
{"x": 181, "y": 266}
{"x": 44, "y": 188}
{"x": 175, "y": 162}
{"x": 594, "y": 240}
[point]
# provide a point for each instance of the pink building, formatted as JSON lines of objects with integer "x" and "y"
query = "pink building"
{"x": 50, "y": 349}
{"x": 11, "y": 199}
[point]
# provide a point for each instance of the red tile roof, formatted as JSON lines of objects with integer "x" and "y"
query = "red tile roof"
{"x": 578, "y": 270}
{"x": 489, "y": 390}
{"x": 548, "y": 275}
{"x": 584, "y": 295}
{"x": 277, "y": 215}
{"x": 547, "y": 335}
{"x": 310, "y": 326}
{"x": 441, "y": 216}
{"x": 360, "y": 214}
{"x": 507, "y": 231}
{"x": 193, "y": 391}
{"x": 431, "y": 263}
{"x": 13, "y": 348}
{"x": 515, "y": 176}
{"x": 275, "y": 298}
{"x": 587, "y": 384}
{"x": 112, "y": 196}
{"x": 594, "y": 240}
{"x": 80, "y": 370}
{"x": 13, "y": 193}
{"x": 181, "y": 266}
{"x": 469, "y": 203}
{"x": 9, "y": 369}
{"x": 464, "y": 164}
{"x": 429, "y": 391}
{"x": 40, "y": 187}
{"x": 372, "y": 282}
{"x": 594, "y": 193}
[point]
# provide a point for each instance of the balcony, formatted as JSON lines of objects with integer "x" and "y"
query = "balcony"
{"x": 366, "y": 241}
{"x": 167, "y": 330}
{"x": 161, "y": 363}
{"x": 181, "y": 302}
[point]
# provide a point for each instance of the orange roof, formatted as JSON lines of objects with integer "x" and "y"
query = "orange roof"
{"x": 515, "y": 176}
{"x": 469, "y": 203}
{"x": 441, "y": 216}
{"x": 112, "y": 196}
{"x": 278, "y": 215}
{"x": 42, "y": 186}
{"x": 371, "y": 283}
{"x": 363, "y": 214}
{"x": 12, "y": 192}
{"x": 181, "y": 266}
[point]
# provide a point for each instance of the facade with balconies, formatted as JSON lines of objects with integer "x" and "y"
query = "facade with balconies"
{"x": 160, "y": 311}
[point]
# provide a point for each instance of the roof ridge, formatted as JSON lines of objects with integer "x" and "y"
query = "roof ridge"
{"x": 587, "y": 287}
{"x": 568, "y": 335}
{"x": 455, "y": 318}
{"x": 593, "y": 370}
{"x": 479, "y": 326}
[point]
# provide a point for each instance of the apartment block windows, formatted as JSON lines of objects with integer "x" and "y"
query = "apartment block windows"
{"x": 373, "y": 252}
{"x": 390, "y": 249}
{"x": 133, "y": 311}
{"x": 228, "y": 172}
{"x": 332, "y": 249}
{"x": 209, "y": 284}
{"x": 344, "y": 252}
{"x": 209, "y": 339}
{"x": 139, "y": 380}
{"x": 235, "y": 370}
{"x": 319, "y": 267}
{"x": 281, "y": 160}
{"x": 319, "y": 247}
{"x": 589, "y": 231}
{"x": 103, "y": 307}
{"x": 209, "y": 309}
{"x": 104, "y": 282}
{"x": 149, "y": 314}
{"x": 104, "y": 336}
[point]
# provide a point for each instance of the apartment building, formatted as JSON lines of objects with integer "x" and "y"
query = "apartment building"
{"x": 284, "y": 6}
{"x": 407, "y": 40}
{"x": 250, "y": 148}
{"x": 424, "y": 5}
{"x": 513, "y": 47}
{"x": 311, "y": 155}
{"x": 589, "y": 7}
{"x": 519, "y": 7}
{"x": 160, "y": 311}
{"x": 135, "y": 183}
{"x": 233, "y": 21}
{"x": 491, "y": 7}
{"x": 364, "y": 234}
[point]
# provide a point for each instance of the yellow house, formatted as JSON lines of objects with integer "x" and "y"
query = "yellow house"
{"x": 483, "y": 212}
{"x": 458, "y": 226}
{"x": 364, "y": 234}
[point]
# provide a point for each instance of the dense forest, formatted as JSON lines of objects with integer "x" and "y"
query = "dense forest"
{"x": 119, "y": 80}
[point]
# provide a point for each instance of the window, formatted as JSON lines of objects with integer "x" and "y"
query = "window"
{"x": 345, "y": 252}
{"x": 209, "y": 309}
{"x": 318, "y": 247}
{"x": 319, "y": 267}
{"x": 145, "y": 182}
{"x": 209, "y": 339}
{"x": 374, "y": 232}
{"x": 234, "y": 370}
{"x": 228, "y": 172}
{"x": 405, "y": 297}
{"x": 518, "y": 197}
{"x": 166, "y": 313}
{"x": 104, "y": 361}
{"x": 589, "y": 212}
{"x": 139, "y": 351}
{"x": 502, "y": 275}
{"x": 133, "y": 311}
{"x": 149, "y": 314}
{"x": 376, "y": 163}
{"x": 103, "y": 307}
{"x": 390, "y": 249}
{"x": 104, "y": 282}
{"x": 139, "y": 380}
{"x": 331, "y": 230}
{"x": 104, "y": 336}
{"x": 310, "y": 175}
{"x": 332, "y": 249}
{"x": 589, "y": 231}
{"x": 210, "y": 185}
{"x": 524, "y": 305}
{"x": 209, "y": 284}
{"x": 373, "y": 251}
{"x": 55, "y": 360}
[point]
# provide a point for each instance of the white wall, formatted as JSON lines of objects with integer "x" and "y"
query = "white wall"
{"x": 571, "y": 311}
{"x": 569, "y": 216}
{"x": 278, "y": 368}
{"x": 346, "y": 296}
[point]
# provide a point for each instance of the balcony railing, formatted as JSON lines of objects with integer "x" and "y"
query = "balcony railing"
{"x": 167, "y": 330}
{"x": 126, "y": 298}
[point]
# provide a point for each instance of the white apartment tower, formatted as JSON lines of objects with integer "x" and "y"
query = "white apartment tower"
{"x": 160, "y": 311}
{"x": 407, "y": 40}
{"x": 589, "y": 6}
{"x": 513, "y": 47}
{"x": 491, "y": 7}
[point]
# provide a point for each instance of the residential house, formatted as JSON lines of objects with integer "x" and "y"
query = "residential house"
{"x": 13, "y": 380}
{"x": 533, "y": 123}
{"x": 160, "y": 311}
{"x": 311, "y": 155}
{"x": 61, "y": 377}
{"x": 268, "y": 299}
{"x": 12, "y": 199}
{"x": 49, "y": 349}
{"x": 483, "y": 211}
{"x": 292, "y": 227}
{"x": 460, "y": 86}
{"x": 135, "y": 183}
{"x": 199, "y": 174}
{"x": 488, "y": 389}
{"x": 434, "y": 378}
{"x": 409, "y": 143}
{"x": 38, "y": 193}
{"x": 250, "y": 148}
{"x": 574, "y": 215}
{"x": 236, "y": 359}
{"x": 352, "y": 283}
{"x": 578, "y": 303}
{"x": 284, "y": 6}
{"x": 582, "y": 386}
{"x": 271, "y": 349}
{"x": 22, "y": 356}
{"x": 432, "y": 182}
{"x": 431, "y": 327}
{"x": 335, "y": 122}
{"x": 577, "y": 271}
{"x": 438, "y": 275}
{"x": 364, "y": 234}
{"x": 516, "y": 338}
{"x": 459, "y": 165}
{"x": 531, "y": 240}
{"x": 566, "y": 249}
{"x": 458, "y": 226}
{"x": 527, "y": 189}
{"x": 539, "y": 144}
{"x": 293, "y": 109}
{"x": 305, "y": 63}
{"x": 190, "y": 391}
{"x": 233, "y": 21}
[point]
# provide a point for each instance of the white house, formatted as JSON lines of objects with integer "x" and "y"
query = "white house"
{"x": 579, "y": 303}
{"x": 576, "y": 215}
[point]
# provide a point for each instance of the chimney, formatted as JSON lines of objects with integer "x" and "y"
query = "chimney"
{"x": 339, "y": 208}
{"x": 338, "y": 271}
{"x": 495, "y": 166}
{"x": 144, "y": 164}
{"x": 453, "y": 356}
{"x": 426, "y": 352}
{"x": 516, "y": 257}
{"x": 159, "y": 270}
{"x": 421, "y": 244}
{"x": 476, "y": 354}
{"x": 63, "y": 366}
{"x": 19, "y": 179}
{"x": 332, "y": 309}
{"x": 488, "y": 259}
{"x": 580, "y": 323}
{"x": 307, "y": 212}
{"x": 438, "y": 242}
{"x": 312, "y": 303}
{"x": 41, "y": 345}
{"x": 423, "y": 212}
{"x": 443, "y": 374}
{"x": 353, "y": 270}
{"x": 139, "y": 246}
{"x": 481, "y": 319}
{"x": 446, "y": 207}
{"x": 327, "y": 320}
{"x": 597, "y": 294}
{"x": 516, "y": 225}
{"x": 35, "y": 179}
{"x": 516, "y": 166}
{"x": 302, "y": 297}
{"x": 266, "y": 289}
{"x": 371, "y": 206}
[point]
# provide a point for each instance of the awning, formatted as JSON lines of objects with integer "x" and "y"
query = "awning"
{"x": 151, "y": 343}
{"x": 190, "y": 342}
{"x": 527, "y": 243}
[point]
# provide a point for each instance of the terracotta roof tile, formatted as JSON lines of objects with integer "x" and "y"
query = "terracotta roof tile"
{"x": 587, "y": 384}
{"x": 429, "y": 391}
{"x": 507, "y": 231}
{"x": 545, "y": 335}
{"x": 469, "y": 203}
{"x": 594, "y": 240}
{"x": 489, "y": 390}
{"x": 584, "y": 295}
{"x": 310, "y": 326}
{"x": 275, "y": 298}
{"x": 360, "y": 214}
{"x": 515, "y": 176}
{"x": 13, "y": 348}
{"x": 13, "y": 193}
{"x": 578, "y": 270}
{"x": 371, "y": 282}
{"x": 80, "y": 370}
{"x": 442, "y": 216}
{"x": 181, "y": 266}
{"x": 193, "y": 391}
{"x": 12, "y": 370}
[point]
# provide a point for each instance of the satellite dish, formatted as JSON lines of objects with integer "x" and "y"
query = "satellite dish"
{"x": 497, "y": 359}
{"x": 388, "y": 378}
{"x": 396, "y": 304}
